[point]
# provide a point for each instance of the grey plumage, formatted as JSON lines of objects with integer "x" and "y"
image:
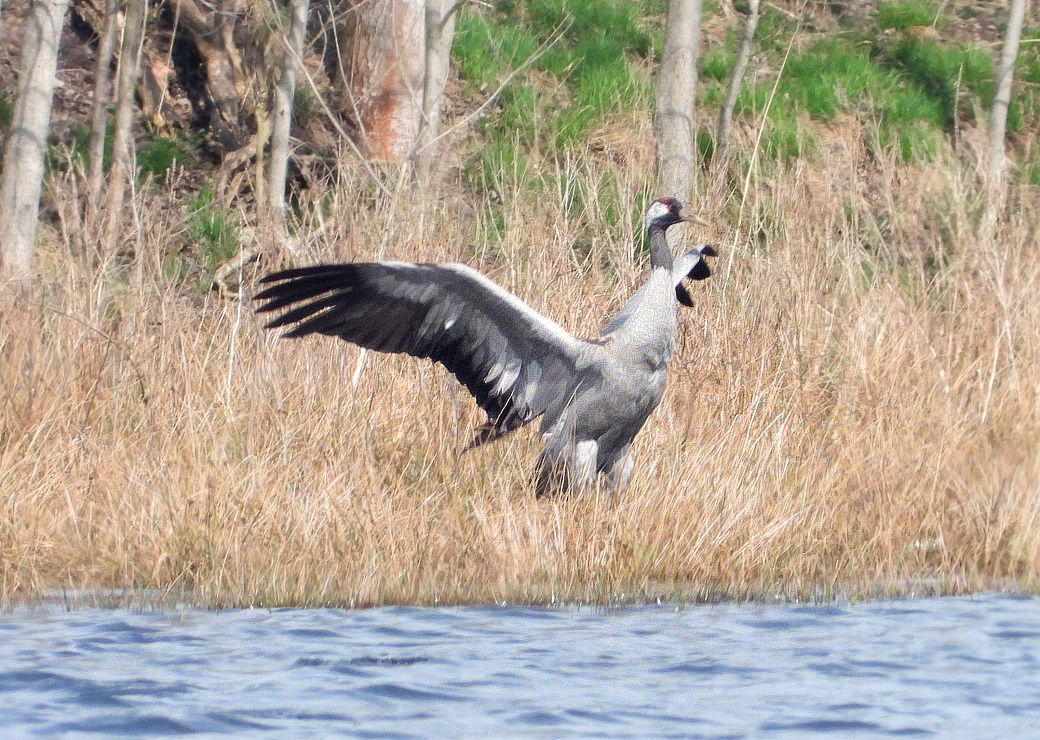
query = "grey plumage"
{"x": 593, "y": 394}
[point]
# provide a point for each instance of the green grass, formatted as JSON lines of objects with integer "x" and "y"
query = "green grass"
{"x": 903, "y": 14}
{"x": 914, "y": 88}
{"x": 160, "y": 153}
{"x": 775, "y": 29}
{"x": 828, "y": 77}
{"x": 1028, "y": 68}
{"x": 953, "y": 75}
{"x": 6, "y": 113}
{"x": 6, "y": 110}
{"x": 717, "y": 64}
{"x": 598, "y": 67}
{"x": 486, "y": 47}
{"x": 214, "y": 234}
{"x": 833, "y": 75}
{"x": 77, "y": 149}
{"x": 155, "y": 156}
{"x": 1032, "y": 173}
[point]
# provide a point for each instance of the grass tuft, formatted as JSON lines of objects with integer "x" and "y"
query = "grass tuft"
{"x": 159, "y": 154}
{"x": 903, "y": 14}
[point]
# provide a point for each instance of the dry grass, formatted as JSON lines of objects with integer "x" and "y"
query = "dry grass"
{"x": 840, "y": 419}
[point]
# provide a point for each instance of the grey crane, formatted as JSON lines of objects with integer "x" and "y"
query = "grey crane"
{"x": 593, "y": 395}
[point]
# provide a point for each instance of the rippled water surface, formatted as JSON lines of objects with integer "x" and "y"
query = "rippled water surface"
{"x": 946, "y": 667}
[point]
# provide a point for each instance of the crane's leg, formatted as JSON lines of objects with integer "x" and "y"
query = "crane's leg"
{"x": 583, "y": 465}
{"x": 566, "y": 465}
{"x": 550, "y": 478}
{"x": 552, "y": 474}
{"x": 620, "y": 469}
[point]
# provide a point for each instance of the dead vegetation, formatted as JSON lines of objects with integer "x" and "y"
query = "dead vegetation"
{"x": 853, "y": 409}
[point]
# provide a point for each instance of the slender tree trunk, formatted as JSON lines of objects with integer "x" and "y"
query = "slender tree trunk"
{"x": 440, "y": 31}
{"x": 998, "y": 115}
{"x": 122, "y": 130}
{"x": 284, "y": 93}
{"x": 673, "y": 111}
{"x": 382, "y": 53}
{"x": 24, "y": 153}
{"x": 735, "y": 81}
{"x": 99, "y": 106}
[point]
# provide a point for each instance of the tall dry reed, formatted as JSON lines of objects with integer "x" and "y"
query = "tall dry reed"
{"x": 853, "y": 409}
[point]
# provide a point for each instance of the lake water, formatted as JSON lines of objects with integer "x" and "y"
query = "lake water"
{"x": 943, "y": 667}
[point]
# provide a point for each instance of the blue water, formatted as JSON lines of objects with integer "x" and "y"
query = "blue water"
{"x": 940, "y": 667}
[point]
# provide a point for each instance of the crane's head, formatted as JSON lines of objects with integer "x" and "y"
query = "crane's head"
{"x": 665, "y": 212}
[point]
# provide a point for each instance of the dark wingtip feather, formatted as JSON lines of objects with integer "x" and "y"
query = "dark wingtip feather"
{"x": 683, "y": 295}
{"x": 272, "y": 277}
{"x": 303, "y": 283}
{"x": 308, "y": 271}
{"x": 700, "y": 271}
{"x": 708, "y": 251}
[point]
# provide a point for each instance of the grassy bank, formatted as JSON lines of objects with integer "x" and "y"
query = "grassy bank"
{"x": 853, "y": 405}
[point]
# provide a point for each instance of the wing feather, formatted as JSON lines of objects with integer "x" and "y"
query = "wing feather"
{"x": 691, "y": 265}
{"x": 514, "y": 361}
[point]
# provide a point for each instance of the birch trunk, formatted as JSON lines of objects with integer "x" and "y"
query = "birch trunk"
{"x": 673, "y": 111}
{"x": 735, "y": 81}
{"x": 122, "y": 128}
{"x": 994, "y": 176}
{"x": 284, "y": 94}
{"x": 440, "y": 31}
{"x": 99, "y": 106}
{"x": 27, "y": 145}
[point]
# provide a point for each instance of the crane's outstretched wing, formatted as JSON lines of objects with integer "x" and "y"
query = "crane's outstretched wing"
{"x": 513, "y": 360}
{"x": 691, "y": 265}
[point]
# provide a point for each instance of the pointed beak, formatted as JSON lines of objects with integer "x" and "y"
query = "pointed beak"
{"x": 691, "y": 219}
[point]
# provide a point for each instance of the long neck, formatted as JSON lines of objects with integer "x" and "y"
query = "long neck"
{"x": 660, "y": 252}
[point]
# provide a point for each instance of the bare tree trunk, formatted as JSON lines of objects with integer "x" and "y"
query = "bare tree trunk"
{"x": 994, "y": 183}
{"x": 440, "y": 31}
{"x": 284, "y": 94}
{"x": 122, "y": 130}
{"x": 382, "y": 52}
{"x": 735, "y": 81}
{"x": 99, "y": 106}
{"x": 673, "y": 111}
{"x": 27, "y": 144}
